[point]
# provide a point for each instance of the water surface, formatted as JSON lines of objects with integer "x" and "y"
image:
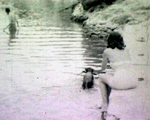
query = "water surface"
{"x": 42, "y": 66}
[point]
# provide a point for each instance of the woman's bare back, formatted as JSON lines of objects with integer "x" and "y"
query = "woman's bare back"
{"x": 118, "y": 58}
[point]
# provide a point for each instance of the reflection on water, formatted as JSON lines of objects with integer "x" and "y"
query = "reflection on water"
{"x": 41, "y": 67}
{"x": 55, "y": 44}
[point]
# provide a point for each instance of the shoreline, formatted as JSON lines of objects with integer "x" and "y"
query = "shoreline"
{"x": 132, "y": 20}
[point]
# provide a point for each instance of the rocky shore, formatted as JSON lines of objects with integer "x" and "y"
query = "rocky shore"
{"x": 100, "y": 19}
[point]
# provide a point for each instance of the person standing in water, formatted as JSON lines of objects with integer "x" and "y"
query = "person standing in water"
{"x": 13, "y": 23}
{"x": 125, "y": 76}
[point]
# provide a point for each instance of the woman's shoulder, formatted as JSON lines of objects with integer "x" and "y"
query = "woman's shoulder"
{"x": 107, "y": 51}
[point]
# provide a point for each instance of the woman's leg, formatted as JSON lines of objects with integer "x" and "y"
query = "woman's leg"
{"x": 104, "y": 95}
{"x": 105, "y": 88}
{"x": 12, "y": 31}
{"x": 108, "y": 92}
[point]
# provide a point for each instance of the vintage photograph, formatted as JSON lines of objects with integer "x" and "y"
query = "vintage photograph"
{"x": 75, "y": 59}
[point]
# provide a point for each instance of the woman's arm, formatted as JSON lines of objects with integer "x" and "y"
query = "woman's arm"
{"x": 104, "y": 62}
{"x": 17, "y": 22}
{"x": 6, "y": 27}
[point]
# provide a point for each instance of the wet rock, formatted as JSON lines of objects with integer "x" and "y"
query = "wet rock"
{"x": 79, "y": 19}
{"x": 78, "y": 14}
{"x": 100, "y": 31}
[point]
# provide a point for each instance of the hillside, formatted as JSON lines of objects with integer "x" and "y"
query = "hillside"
{"x": 115, "y": 16}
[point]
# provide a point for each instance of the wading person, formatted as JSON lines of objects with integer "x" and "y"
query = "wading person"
{"x": 124, "y": 76}
{"x": 13, "y": 24}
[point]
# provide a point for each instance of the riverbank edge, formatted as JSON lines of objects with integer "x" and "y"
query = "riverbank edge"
{"x": 131, "y": 104}
{"x": 100, "y": 21}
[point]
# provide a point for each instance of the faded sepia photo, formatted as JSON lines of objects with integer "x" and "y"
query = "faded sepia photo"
{"x": 74, "y": 60}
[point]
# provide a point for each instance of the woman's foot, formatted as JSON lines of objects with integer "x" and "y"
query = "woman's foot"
{"x": 104, "y": 115}
{"x": 112, "y": 117}
{"x": 104, "y": 111}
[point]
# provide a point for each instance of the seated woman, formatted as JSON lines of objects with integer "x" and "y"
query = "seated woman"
{"x": 124, "y": 75}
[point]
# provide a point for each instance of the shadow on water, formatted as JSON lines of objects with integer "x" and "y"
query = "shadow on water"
{"x": 93, "y": 52}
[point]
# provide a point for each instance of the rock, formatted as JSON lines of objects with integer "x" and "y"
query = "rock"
{"x": 111, "y": 26}
{"x": 90, "y": 3}
{"x": 79, "y": 19}
{"x": 122, "y": 19}
{"x": 78, "y": 14}
{"x": 87, "y": 4}
{"x": 109, "y": 2}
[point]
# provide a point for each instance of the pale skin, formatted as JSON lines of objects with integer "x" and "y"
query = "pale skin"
{"x": 119, "y": 61}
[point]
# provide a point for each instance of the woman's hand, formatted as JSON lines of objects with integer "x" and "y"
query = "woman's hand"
{"x": 18, "y": 30}
{"x": 102, "y": 71}
{"x": 4, "y": 30}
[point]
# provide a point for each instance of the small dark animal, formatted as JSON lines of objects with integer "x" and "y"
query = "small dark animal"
{"x": 88, "y": 80}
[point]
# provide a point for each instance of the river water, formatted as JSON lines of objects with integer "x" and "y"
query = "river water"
{"x": 47, "y": 57}
{"x": 49, "y": 40}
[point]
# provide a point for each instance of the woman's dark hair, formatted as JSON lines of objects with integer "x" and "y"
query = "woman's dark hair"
{"x": 115, "y": 40}
{"x": 7, "y": 10}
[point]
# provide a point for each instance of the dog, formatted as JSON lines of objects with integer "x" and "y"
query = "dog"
{"x": 88, "y": 79}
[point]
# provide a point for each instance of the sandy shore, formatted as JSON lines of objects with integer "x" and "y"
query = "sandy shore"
{"x": 134, "y": 104}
